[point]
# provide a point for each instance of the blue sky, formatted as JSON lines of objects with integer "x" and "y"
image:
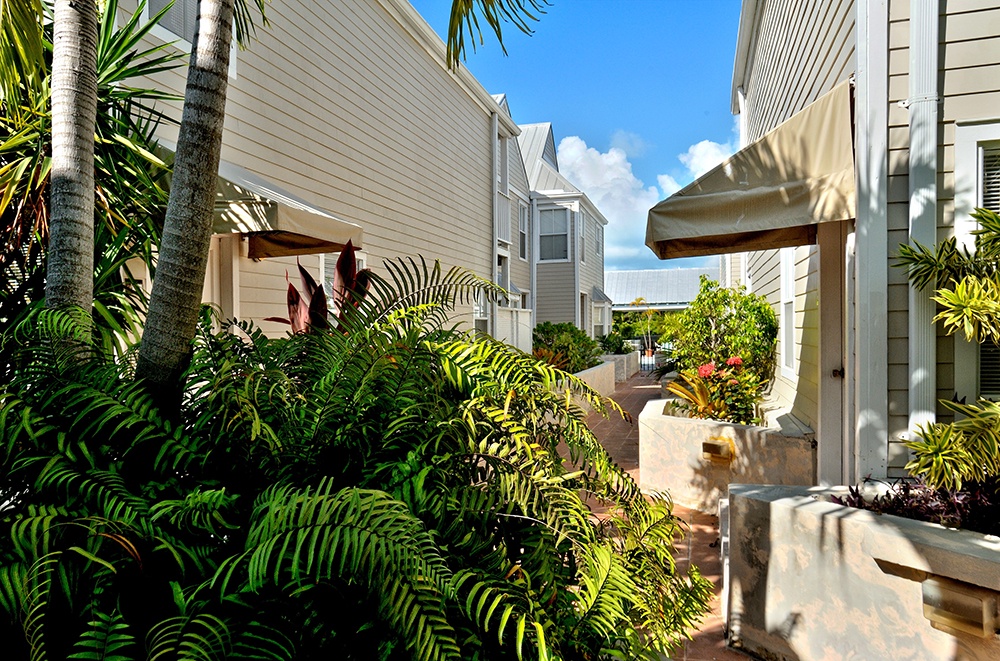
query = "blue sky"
{"x": 638, "y": 92}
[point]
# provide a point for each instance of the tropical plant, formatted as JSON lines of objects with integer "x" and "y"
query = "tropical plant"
{"x": 567, "y": 343}
{"x": 399, "y": 494}
{"x": 613, "y": 343}
{"x": 130, "y": 201}
{"x": 721, "y": 323}
{"x": 967, "y": 289}
{"x": 729, "y": 393}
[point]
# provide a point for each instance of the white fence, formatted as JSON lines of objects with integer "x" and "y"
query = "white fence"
{"x": 513, "y": 326}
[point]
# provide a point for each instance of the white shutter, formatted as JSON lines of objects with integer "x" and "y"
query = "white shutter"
{"x": 989, "y": 353}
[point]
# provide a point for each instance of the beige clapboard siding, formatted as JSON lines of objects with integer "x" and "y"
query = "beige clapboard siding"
{"x": 520, "y": 269}
{"x": 338, "y": 103}
{"x": 591, "y": 270}
{"x": 555, "y": 300}
{"x": 970, "y": 89}
{"x": 802, "y": 50}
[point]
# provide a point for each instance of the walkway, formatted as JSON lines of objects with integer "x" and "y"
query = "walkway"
{"x": 621, "y": 439}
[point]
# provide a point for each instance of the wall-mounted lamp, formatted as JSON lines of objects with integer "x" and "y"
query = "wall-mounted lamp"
{"x": 954, "y": 607}
{"x": 717, "y": 449}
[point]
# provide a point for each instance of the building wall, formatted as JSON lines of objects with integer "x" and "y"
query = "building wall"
{"x": 969, "y": 88}
{"x": 592, "y": 267}
{"x": 556, "y": 284}
{"x": 341, "y": 104}
{"x": 800, "y": 51}
{"x": 520, "y": 270}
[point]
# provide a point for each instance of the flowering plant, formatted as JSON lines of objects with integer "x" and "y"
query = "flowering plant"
{"x": 729, "y": 393}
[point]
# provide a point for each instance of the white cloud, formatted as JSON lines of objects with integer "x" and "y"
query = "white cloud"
{"x": 705, "y": 155}
{"x": 630, "y": 143}
{"x": 608, "y": 180}
{"x": 668, "y": 184}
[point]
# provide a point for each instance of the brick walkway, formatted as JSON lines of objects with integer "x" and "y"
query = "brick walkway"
{"x": 700, "y": 547}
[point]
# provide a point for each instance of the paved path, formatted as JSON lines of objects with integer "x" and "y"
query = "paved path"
{"x": 700, "y": 547}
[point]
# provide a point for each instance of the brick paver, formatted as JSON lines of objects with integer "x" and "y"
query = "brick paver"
{"x": 700, "y": 546}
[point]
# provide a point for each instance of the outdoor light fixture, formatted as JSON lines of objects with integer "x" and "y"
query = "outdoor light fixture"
{"x": 717, "y": 449}
{"x": 955, "y": 607}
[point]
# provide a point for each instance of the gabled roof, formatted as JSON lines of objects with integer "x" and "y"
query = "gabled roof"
{"x": 660, "y": 288}
{"x": 538, "y": 147}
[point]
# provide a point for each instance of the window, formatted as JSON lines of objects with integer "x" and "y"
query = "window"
{"x": 180, "y": 19}
{"x": 522, "y": 230}
{"x": 977, "y": 184}
{"x": 787, "y": 321}
{"x": 481, "y": 313}
{"x": 553, "y": 234}
{"x": 583, "y": 236}
{"x": 989, "y": 198}
{"x": 599, "y": 316}
{"x": 599, "y": 242}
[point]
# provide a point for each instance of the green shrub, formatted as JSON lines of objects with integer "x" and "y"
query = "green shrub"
{"x": 389, "y": 489}
{"x": 721, "y": 323}
{"x": 613, "y": 343}
{"x": 719, "y": 392}
{"x": 967, "y": 291}
{"x": 577, "y": 350}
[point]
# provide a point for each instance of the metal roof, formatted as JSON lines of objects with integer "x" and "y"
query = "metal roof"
{"x": 660, "y": 288}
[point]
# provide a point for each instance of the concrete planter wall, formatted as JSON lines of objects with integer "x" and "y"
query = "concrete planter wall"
{"x": 626, "y": 365}
{"x": 809, "y": 579}
{"x": 601, "y": 378}
{"x": 671, "y": 459}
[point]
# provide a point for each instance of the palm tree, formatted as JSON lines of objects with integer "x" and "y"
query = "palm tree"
{"x": 74, "y": 115}
{"x": 183, "y": 256}
{"x": 187, "y": 230}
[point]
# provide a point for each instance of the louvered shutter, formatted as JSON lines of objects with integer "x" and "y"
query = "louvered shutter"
{"x": 180, "y": 19}
{"x": 989, "y": 353}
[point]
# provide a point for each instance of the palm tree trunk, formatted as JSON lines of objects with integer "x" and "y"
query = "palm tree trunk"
{"x": 183, "y": 252}
{"x": 70, "y": 270}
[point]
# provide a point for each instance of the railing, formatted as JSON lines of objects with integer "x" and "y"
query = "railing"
{"x": 501, "y": 217}
{"x": 513, "y": 326}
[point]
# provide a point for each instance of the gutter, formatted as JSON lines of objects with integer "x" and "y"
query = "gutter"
{"x": 744, "y": 37}
{"x": 494, "y": 153}
{"x": 923, "y": 166}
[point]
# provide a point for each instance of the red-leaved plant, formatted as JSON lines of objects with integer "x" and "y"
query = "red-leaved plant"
{"x": 309, "y": 310}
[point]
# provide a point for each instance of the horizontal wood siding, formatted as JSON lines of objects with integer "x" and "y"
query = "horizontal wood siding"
{"x": 592, "y": 270}
{"x": 557, "y": 299}
{"x": 969, "y": 87}
{"x": 339, "y": 103}
{"x": 802, "y": 50}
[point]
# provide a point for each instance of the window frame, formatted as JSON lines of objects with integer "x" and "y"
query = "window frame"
{"x": 566, "y": 234}
{"x": 971, "y": 139}
{"x": 788, "y": 358}
{"x": 523, "y": 229}
{"x": 180, "y": 42}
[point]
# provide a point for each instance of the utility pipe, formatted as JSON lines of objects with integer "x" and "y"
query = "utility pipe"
{"x": 922, "y": 175}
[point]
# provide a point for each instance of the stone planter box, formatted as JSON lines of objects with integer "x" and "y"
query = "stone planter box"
{"x": 671, "y": 457}
{"x": 601, "y": 378}
{"x": 625, "y": 364}
{"x": 809, "y": 579}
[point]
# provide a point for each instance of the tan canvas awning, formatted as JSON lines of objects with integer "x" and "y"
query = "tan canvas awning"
{"x": 275, "y": 221}
{"x": 770, "y": 194}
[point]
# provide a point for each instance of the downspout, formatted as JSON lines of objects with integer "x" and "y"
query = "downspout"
{"x": 495, "y": 153}
{"x": 922, "y": 175}
{"x": 577, "y": 216}
{"x": 533, "y": 231}
{"x": 871, "y": 242}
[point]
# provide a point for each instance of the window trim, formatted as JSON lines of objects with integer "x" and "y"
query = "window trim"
{"x": 582, "y": 232}
{"x": 183, "y": 45}
{"x": 970, "y": 140}
{"x": 568, "y": 234}
{"x": 788, "y": 358}
{"x": 523, "y": 233}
